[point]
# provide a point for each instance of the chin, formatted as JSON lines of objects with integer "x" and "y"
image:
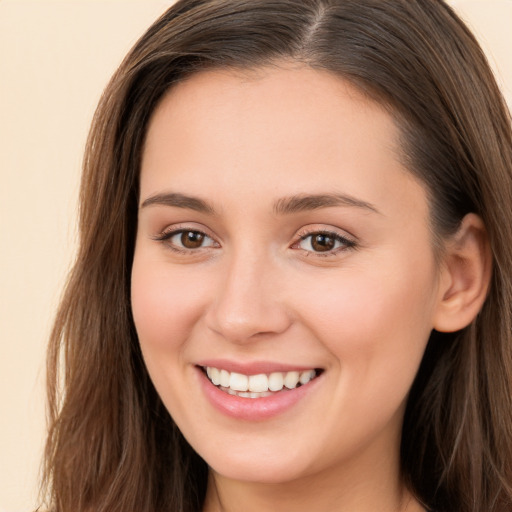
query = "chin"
{"x": 260, "y": 464}
{"x": 257, "y": 472}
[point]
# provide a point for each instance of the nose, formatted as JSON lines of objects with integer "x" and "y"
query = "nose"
{"x": 249, "y": 301}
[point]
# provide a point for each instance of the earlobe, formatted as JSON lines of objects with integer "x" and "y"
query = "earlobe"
{"x": 467, "y": 269}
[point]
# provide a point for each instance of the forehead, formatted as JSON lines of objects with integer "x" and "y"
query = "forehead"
{"x": 290, "y": 90}
{"x": 282, "y": 130}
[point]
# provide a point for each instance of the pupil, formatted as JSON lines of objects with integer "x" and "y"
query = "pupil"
{"x": 323, "y": 243}
{"x": 192, "y": 239}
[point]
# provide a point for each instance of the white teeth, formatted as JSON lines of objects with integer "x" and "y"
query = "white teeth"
{"x": 305, "y": 377}
{"x": 237, "y": 382}
{"x": 224, "y": 378}
{"x": 291, "y": 380}
{"x": 257, "y": 386}
{"x": 275, "y": 381}
{"x": 245, "y": 394}
{"x": 215, "y": 376}
{"x": 258, "y": 383}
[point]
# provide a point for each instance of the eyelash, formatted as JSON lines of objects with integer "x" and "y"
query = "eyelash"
{"x": 166, "y": 236}
{"x": 346, "y": 243}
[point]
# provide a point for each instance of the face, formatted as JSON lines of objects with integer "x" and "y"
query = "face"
{"x": 284, "y": 282}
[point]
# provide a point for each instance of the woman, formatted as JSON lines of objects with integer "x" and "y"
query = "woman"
{"x": 293, "y": 289}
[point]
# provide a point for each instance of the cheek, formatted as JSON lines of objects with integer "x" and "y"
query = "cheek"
{"x": 165, "y": 305}
{"x": 375, "y": 323}
{"x": 376, "y": 331}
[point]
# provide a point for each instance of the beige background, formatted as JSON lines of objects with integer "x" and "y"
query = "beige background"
{"x": 55, "y": 58}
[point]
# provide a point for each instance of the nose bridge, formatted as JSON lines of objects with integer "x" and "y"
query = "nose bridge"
{"x": 246, "y": 303}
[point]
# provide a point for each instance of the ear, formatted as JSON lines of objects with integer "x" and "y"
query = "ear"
{"x": 465, "y": 276}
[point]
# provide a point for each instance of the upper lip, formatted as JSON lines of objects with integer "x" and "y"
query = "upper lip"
{"x": 253, "y": 367}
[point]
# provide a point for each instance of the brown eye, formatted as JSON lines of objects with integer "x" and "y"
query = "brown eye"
{"x": 192, "y": 239}
{"x": 322, "y": 242}
{"x": 187, "y": 240}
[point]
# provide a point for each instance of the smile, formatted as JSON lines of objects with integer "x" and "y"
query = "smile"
{"x": 260, "y": 385}
{"x": 257, "y": 391}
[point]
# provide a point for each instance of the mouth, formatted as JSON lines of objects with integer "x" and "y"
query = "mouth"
{"x": 261, "y": 385}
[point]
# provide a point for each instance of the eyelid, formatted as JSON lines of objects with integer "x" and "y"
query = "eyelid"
{"x": 348, "y": 241}
{"x": 170, "y": 231}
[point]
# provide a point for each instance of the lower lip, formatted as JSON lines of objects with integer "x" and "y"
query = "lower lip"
{"x": 254, "y": 409}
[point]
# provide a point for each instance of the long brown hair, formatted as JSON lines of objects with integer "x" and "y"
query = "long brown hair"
{"x": 112, "y": 446}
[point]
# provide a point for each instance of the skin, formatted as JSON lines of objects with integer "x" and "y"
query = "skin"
{"x": 255, "y": 290}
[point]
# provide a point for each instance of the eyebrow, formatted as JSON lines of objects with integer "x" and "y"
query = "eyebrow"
{"x": 179, "y": 201}
{"x": 303, "y": 202}
{"x": 283, "y": 206}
